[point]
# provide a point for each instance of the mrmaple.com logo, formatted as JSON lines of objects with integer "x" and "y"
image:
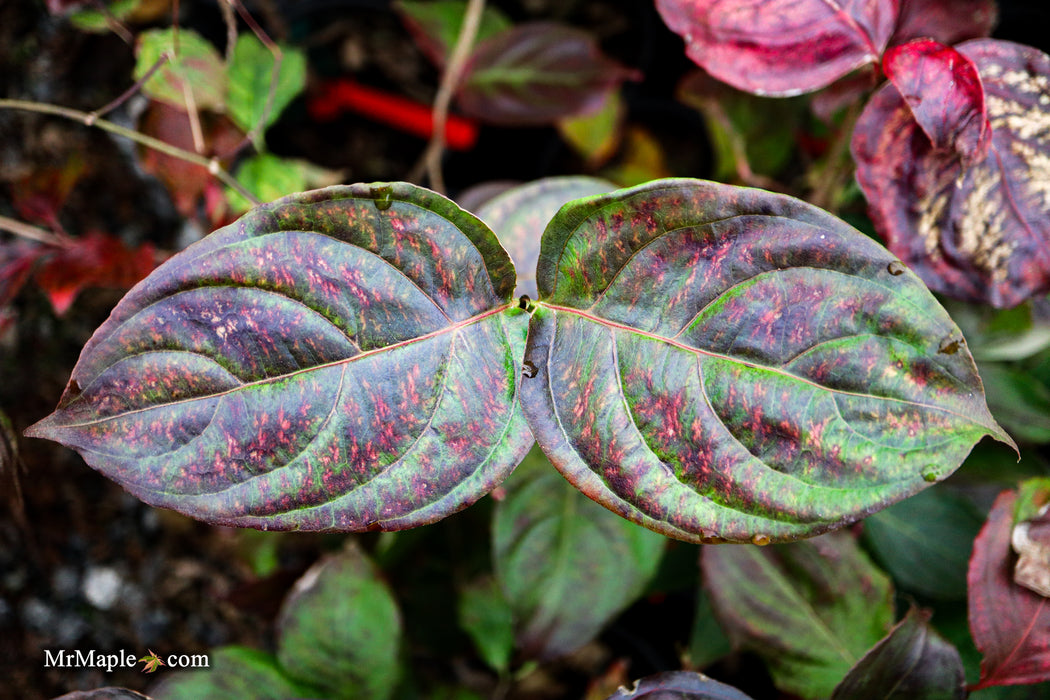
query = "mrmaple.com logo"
{"x": 76, "y": 658}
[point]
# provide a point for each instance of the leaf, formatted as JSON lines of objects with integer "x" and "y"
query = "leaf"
{"x": 924, "y": 542}
{"x": 268, "y": 177}
{"x": 235, "y": 672}
{"x": 979, "y": 233}
{"x": 536, "y": 73}
{"x": 944, "y": 93}
{"x": 946, "y": 21}
{"x": 1030, "y": 537}
{"x": 195, "y": 68}
{"x": 566, "y": 566}
{"x": 781, "y": 47}
{"x": 110, "y": 693}
{"x": 679, "y": 685}
{"x": 338, "y": 360}
{"x": 809, "y": 609}
{"x": 95, "y": 259}
{"x": 340, "y": 629}
{"x": 708, "y": 641}
{"x": 725, "y": 364}
{"x": 435, "y": 25}
{"x": 1010, "y": 624}
{"x": 596, "y": 136}
{"x": 251, "y": 77}
{"x": 913, "y": 661}
{"x": 519, "y": 215}
{"x": 485, "y": 615}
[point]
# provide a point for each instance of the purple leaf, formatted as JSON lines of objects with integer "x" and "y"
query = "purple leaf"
{"x": 979, "y": 233}
{"x": 913, "y": 661}
{"x": 537, "y": 73}
{"x": 947, "y": 21}
{"x": 344, "y": 359}
{"x": 720, "y": 363}
{"x": 945, "y": 95}
{"x": 678, "y": 685}
{"x": 781, "y": 47}
{"x": 1010, "y": 624}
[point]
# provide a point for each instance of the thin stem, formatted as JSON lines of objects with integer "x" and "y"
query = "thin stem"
{"x": 126, "y": 95}
{"x": 457, "y": 62}
{"x": 33, "y": 233}
{"x": 212, "y": 164}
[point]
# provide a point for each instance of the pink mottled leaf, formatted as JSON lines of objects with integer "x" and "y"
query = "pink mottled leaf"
{"x": 781, "y": 47}
{"x": 720, "y": 363}
{"x": 1010, "y": 624}
{"x": 944, "y": 92}
{"x": 343, "y": 359}
{"x": 537, "y": 73}
{"x": 978, "y": 233}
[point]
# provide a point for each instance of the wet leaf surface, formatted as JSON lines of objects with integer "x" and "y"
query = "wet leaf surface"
{"x": 1010, "y": 624}
{"x": 944, "y": 92}
{"x": 979, "y": 233}
{"x": 781, "y": 47}
{"x": 550, "y": 546}
{"x": 536, "y": 73}
{"x": 913, "y": 661}
{"x": 719, "y": 363}
{"x": 810, "y": 609}
{"x": 340, "y": 629}
{"x": 344, "y": 359}
{"x": 679, "y": 685}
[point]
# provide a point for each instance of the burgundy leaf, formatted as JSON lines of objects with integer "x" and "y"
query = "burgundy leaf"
{"x": 343, "y": 359}
{"x": 781, "y": 47}
{"x": 536, "y": 73}
{"x": 944, "y": 92}
{"x": 1010, "y": 624}
{"x": 724, "y": 363}
{"x": 912, "y": 661}
{"x": 979, "y": 233}
{"x": 947, "y": 21}
{"x": 678, "y": 685}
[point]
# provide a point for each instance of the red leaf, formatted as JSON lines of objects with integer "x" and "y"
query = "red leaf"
{"x": 16, "y": 262}
{"x": 947, "y": 21}
{"x": 978, "y": 233}
{"x": 1010, "y": 624}
{"x": 944, "y": 92}
{"x": 781, "y": 47}
{"x": 94, "y": 260}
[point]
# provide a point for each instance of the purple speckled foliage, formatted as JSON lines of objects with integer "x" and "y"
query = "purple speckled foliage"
{"x": 720, "y": 363}
{"x": 344, "y": 359}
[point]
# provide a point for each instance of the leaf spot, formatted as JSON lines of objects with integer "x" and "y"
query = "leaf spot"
{"x": 760, "y": 539}
{"x": 949, "y": 346}
{"x": 895, "y": 268}
{"x": 384, "y": 197}
{"x": 528, "y": 369}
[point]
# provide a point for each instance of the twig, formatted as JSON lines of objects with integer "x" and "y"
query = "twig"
{"x": 85, "y": 118}
{"x": 431, "y": 159}
{"x": 126, "y": 95}
{"x": 113, "y": 23}
{"x": 33, "y": 233}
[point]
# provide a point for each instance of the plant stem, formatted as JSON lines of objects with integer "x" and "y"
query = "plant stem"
{"x": 457, "y": 61}
{"x": 88, "y": 119}
{"x": 33, "y": 233}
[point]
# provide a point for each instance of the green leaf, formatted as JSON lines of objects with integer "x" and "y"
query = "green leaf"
{"x": 235, "y": 672}
{"x": 567, "y": 567}
{"x": 726, "y": 364}
{"x": 913, "y": 661}
{"x": 925, "y": 542}
{"x": 811, "y": 609}
{"x": 340, "y": 360}
{"x": 269, "y": 177}
{"x": 436, "y": 24}
{"x": 251, "y": 76}
{"x": 340, "y": 629}
{"x": 486, "y": 616}
{"x": 708, "y": 641}
{"x": 519, "y": 215}
{"x": 196, "y": 68}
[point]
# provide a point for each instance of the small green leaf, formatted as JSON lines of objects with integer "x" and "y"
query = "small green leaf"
{"x": 235, "y": 672}
{"x": 269, "y": 177}
{"x": 436, "y": 24}
{"x": 913, "y": 661}
{"x": 811, "y": 609}
{"x": 567, "y": 566}
{"x": 486, "y": 616}
{"x": 196, "y": 68}
{"x": 251, "y": 75}
{"x": 925, "y": 541}
{"x": 340, "y": 629}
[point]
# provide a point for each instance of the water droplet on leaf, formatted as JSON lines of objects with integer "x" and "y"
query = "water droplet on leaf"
{"x": 384, "y": 197}
{"x": 950, "y": 346}
{"x": 528, "y": 369}
{"x": 896, "y": 268}
{"x": 760, "y": 540}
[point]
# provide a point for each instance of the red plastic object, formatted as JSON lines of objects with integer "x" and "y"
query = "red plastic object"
{"x": 402, "y": 113}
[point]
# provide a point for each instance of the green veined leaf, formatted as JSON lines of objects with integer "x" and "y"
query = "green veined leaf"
{"x": 251, "y": 74}
{"x": 726, "y": 364}
{"x": 343, "y": 359}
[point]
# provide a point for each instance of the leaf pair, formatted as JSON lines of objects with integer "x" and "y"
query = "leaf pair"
{"x": 715, "y": 363}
